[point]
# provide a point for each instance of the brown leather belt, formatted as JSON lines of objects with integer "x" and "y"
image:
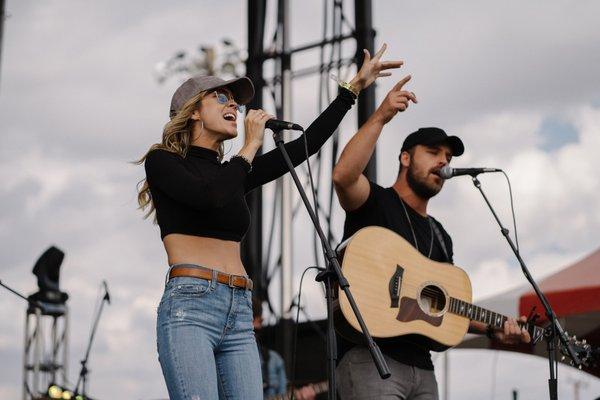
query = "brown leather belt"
{"x": 238, "y": 281}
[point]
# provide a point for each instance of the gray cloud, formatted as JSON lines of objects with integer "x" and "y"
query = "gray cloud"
{"x": 78, "y": 101}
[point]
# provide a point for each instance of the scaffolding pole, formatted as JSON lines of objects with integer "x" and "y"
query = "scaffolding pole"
{"x": 252, "y": 245}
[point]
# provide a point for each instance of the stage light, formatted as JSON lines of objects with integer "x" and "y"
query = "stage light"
{"x": 47, "y": 271}
{"x": 57, "y": 392}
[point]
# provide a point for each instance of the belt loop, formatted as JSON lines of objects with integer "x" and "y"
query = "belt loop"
{"x": 169, "y": 273}
{"x": 214, "y": 280}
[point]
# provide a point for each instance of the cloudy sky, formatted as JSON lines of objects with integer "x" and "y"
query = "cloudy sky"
{"x": 79, "y": 101}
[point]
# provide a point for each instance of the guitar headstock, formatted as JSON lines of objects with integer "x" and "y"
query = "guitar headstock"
{"x": 582, "y": 349}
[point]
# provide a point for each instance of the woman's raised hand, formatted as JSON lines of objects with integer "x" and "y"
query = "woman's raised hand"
{"x": 372, "y": 67}
{"x": 254, "y": 126}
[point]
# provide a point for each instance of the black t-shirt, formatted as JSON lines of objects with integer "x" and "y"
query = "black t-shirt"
{"x": 384, "y": 208}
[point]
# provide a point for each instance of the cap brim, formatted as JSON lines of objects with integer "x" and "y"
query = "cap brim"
{"x": 456, "y": 145}
{"x": 241, "y": 88}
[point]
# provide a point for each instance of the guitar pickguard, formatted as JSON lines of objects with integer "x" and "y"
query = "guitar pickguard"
{"x": 410, "y": 311}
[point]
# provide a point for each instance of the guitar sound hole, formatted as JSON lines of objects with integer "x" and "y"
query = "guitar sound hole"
{"x": 432, "y": 300}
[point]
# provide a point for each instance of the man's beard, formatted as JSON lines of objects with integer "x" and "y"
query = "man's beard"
{"x": 420, "y": 187}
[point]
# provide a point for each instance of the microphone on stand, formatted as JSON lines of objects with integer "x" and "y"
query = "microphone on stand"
{"x": 278, "y": 125}
{"x": 106, "y": 295}
{"x": 448, "y": 172}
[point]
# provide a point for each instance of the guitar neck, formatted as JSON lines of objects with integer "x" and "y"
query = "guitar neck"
{"x": 320, "y": 387}
{"x": 488, "y": 317}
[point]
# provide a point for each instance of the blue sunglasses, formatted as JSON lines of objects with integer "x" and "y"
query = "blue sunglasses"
{"x": 222, "y": 98}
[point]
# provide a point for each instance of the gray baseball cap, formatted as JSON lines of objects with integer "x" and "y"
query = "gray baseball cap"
{"x": 241, "y": 88}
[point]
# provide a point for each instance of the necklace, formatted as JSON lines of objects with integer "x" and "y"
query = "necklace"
{"x": 412, "y": 229}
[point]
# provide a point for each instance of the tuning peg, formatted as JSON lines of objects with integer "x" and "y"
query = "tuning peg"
{"x": 584, "y": 341}
{"x": 579, "y": 366}
{"x": 562, "y": 358}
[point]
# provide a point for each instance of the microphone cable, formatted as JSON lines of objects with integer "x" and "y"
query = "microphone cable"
{"x": 299, "y": 305}
{"x": 512, "y": 208}
{"x": 314, "y": 195}
{"x": 295, "y": 335}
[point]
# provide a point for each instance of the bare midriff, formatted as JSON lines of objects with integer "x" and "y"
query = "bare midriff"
{"x": 222, "y": 255}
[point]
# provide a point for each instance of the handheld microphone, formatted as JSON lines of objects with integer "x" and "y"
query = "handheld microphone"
{"x": 448, "y": 172}
{"x": 106, "y": 295}
{"x": 278, "y": 125}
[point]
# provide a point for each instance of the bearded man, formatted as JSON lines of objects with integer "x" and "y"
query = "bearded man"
{"x": 403, "y": 209}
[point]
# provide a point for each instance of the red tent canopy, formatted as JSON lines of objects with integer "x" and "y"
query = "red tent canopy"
{"x": 573, "y": 293}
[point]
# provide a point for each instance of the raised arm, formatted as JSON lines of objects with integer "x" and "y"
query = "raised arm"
{"x": 271, "y": 165}
{"x": 351, "y": 186}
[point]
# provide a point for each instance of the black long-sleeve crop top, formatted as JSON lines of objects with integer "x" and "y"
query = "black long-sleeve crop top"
{"x": 198, "y": 195}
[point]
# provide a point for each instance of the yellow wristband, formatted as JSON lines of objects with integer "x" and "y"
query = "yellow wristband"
{"x": 348, "y": 86}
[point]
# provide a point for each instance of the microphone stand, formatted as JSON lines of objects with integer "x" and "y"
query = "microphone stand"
{"x": 329, "y": 276}
{"x": 84, "y": 370}
{"x": 555, "y": 330}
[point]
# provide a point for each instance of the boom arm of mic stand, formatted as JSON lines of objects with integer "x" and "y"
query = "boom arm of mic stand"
{"x": 556, "y": 328}
{"x": 332, "y": 273}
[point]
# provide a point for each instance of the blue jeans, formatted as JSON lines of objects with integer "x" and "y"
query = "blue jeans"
{"x": 206, "y": 344}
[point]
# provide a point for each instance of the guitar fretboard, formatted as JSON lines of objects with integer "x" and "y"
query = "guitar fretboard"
{"x": 488, "y": 317}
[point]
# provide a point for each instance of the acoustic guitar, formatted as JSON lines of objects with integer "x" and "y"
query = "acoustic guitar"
{"x": 402, "y": 293}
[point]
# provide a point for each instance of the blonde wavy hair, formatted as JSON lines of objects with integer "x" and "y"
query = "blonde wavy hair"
{"x": 176, "y": 138}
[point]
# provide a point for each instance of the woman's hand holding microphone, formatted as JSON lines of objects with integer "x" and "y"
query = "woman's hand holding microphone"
{"x": 254, "y": 127}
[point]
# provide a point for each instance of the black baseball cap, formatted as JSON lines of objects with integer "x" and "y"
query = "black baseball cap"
{"x": 432, "y": 136}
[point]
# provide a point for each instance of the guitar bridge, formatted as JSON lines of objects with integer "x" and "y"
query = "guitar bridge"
{"x": 394, "y": 286}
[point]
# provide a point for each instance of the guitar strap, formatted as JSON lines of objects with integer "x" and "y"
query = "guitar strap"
{"x": 440, "y": 237}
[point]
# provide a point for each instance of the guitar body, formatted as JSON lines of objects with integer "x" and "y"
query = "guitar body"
{"x": 400, "y": 292}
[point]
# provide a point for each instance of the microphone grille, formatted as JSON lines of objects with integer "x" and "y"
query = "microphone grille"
{"x": 447, "y": 172}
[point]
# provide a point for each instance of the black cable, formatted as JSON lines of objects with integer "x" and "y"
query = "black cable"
{"x": 271, "y": 233}
{"x": 335, "y": 142}
{"x": 346, "y": 20}
{"x": 271, "y": 271}
{"x": 319, "y": 110}
{"x": 512, "y": 207}
{"x": 298, "y": 306}
{"x": 314, "y": 196}
{"x": 295, "y": 339}
{"x": 312, "y": 189}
